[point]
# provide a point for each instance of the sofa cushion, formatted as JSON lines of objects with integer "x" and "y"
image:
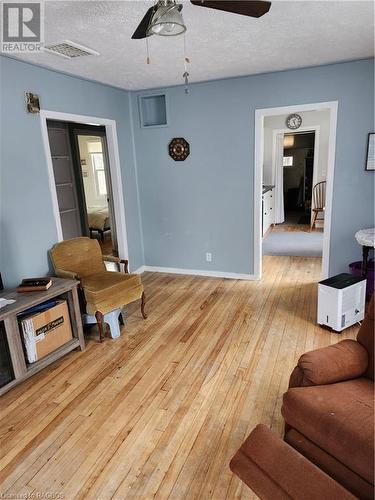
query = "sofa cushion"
{"x": 339, "y": 418}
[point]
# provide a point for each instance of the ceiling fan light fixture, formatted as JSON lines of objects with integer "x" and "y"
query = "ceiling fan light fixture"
{"x": 167, "y": 19}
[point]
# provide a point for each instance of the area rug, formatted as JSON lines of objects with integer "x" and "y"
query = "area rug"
{"x": 295, "y": 243}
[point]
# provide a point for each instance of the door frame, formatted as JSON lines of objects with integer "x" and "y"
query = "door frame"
{"x": 260, "y": 114}
{"x": 302, "y": 130}
{"x": 114, "y": 167}
{"x": 90, "y": 130}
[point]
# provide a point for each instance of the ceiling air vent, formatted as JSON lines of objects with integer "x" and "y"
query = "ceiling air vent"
{"x": 69, "y": 50}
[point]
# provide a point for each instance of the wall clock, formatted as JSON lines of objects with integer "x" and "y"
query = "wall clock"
{"x": 179, "y": 149}
{"x": 294, "y": 121}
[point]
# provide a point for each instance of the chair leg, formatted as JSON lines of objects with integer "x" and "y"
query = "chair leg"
{"x": 314, "y": 220}
{"x": 143, "y": 303}
{"x": 121, "y": 319}
{"x": 100, "y": 320}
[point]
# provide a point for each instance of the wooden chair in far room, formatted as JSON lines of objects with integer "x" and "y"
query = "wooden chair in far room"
{"x": 103, "y": 291}
{"x": 319, "y": 201}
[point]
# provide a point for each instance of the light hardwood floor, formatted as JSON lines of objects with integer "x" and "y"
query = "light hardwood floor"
{"x": 160, "y": 411}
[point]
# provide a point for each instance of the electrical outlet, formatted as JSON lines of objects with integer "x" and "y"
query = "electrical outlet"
{"x": 209, "y": 257}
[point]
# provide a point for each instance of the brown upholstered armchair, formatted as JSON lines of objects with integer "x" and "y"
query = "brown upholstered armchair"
{"x": 103, "y": 291}
{"x": 329, "y": 409}
{"x": 276, "y": 471}
{"x": 329, "y": 428}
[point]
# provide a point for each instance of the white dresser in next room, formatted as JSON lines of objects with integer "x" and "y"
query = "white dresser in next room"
{"x": 268, "y": 207}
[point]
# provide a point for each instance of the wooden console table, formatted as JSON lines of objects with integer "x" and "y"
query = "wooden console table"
{"x": 61, "y": 288}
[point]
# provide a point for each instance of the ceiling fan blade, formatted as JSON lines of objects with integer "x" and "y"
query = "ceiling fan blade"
{"x": 252, "y": 8}
{"x": 141, "y": 31}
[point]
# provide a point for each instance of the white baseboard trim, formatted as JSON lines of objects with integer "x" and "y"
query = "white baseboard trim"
{"x": 140, "y": 270}
{"x": 197, "y": 272}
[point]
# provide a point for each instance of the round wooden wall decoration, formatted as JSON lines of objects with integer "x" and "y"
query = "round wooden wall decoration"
{"x": 179, "y": 149}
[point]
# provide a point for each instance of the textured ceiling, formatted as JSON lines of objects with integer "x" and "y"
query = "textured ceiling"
{"x": 221, "y": 45}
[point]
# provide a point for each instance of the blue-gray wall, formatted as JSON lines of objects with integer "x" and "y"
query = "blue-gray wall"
{"x": 27, "y": 226}
{"x": 192, "y": 207}
{"x": 205, "y": 203}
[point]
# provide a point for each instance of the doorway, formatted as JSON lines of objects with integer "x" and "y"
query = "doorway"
{"x": 91, "y": 150}
{"x": 287, "y": 205}
{"x": 298, "y": 175}
{"x": 264, "y": 186}
{"x": 82, "y": 181}
{"x": 294, "y": 160}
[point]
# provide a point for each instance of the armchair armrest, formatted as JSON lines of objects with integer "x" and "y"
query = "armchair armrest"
{"x": 342, "y": 361}
{"x": 117, "y": 260}
{"x": 61, "y": 273}
{"x": 273, "y": 469}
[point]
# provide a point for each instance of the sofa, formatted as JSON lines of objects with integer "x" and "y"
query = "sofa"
{"x": 329, "y": 420}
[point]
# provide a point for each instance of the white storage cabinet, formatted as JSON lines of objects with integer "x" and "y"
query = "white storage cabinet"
{"x": 268, "y": 209}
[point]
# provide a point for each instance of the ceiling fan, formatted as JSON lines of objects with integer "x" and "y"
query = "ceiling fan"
{"x": 165, "y": 18}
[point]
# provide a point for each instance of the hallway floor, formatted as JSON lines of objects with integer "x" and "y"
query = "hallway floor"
{"x": 294, "y": 243}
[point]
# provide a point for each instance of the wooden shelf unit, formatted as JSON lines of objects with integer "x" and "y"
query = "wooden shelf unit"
{"x": 61, "y": 288}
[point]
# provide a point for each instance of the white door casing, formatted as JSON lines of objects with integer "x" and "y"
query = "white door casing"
{"x": 279, "y": 179}
{"x": 114, "y": 166}
{"x": 260, "y": 114}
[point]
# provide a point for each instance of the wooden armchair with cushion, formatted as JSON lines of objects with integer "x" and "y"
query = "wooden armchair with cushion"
{"x": 103, "y": 291}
